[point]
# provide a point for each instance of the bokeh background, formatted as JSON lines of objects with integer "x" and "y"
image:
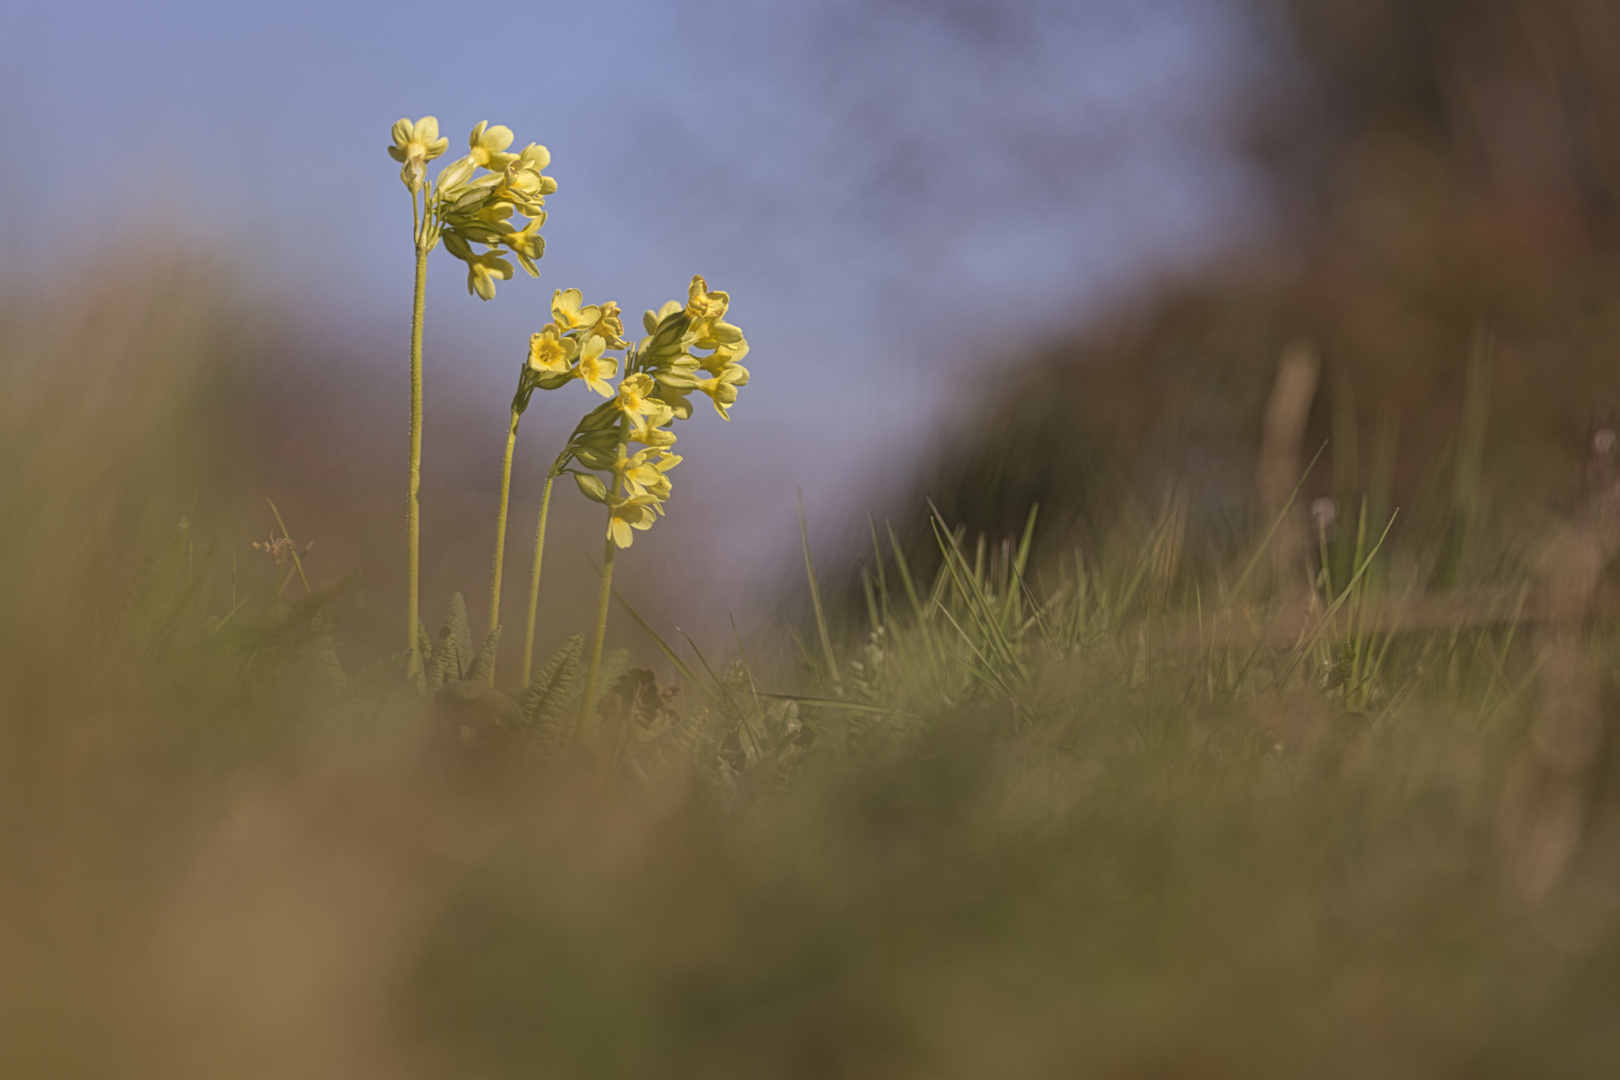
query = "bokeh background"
{"x": 988, "y": 253}
{"x": 901, "y": 197}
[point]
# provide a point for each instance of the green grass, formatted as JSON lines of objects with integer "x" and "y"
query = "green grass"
{"x": 1115, "y": 812}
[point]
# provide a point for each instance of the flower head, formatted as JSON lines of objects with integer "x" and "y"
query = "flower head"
{"x": 524, "y": 189}
{"x": 643, "y": 472}
{"x": 550, "y": 352}
{"x": 534, "y": 157}
{"x": 648, "y": 434}
{"x": 609, "y": 325}
{"x": 487, "y": 145}
{"x": 566, "y": 309}
{"x": 635, "y": 512}
{"x": 414, "y": 146}
{"x": 714, "y": 333}
{"x": 703, "y": 304}
{"x": 594, "y": 369}
{"x": 483, "y": 271}
{"x": 722, "y": 389}
{"x": 527, "y": 245}
{"x": 636, "y": 400}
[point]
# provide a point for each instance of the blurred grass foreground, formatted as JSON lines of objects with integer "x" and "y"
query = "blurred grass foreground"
{"x": 1307, "y": 806}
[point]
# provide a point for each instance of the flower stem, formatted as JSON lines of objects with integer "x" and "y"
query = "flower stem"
{"x": 500, "y": 531}
{"x": 588, "y": 701}
{"x": 534, "y": 577}
{"x": 413, "y": 510}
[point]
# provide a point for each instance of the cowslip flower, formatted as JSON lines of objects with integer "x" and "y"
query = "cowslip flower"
{"x": 535, "y": 158}
{"x": 566, "y": 309}
{"x": 551, "y": 352}
{"x": 722, "y": 389}
{"x": 643, "y": 473}
{"x": 483, "y": 271}
{"x": 418, "y": 140}
{"x": 715, "y": 333}
{"x": 661, "y": 372}
{"x": 650, "y": 435}
{"x": 703, "y": 304}
{"x": 414, "y": 146}
{"x": 609, "y": 326}
{"x": 527, "y": 245}
{"x": 525, "y": 181}
{"x": 487, "y": 145}
{"x": 635, "y": 512}
{"x": 594, "y": 369}
{"x": 636, "y": 400}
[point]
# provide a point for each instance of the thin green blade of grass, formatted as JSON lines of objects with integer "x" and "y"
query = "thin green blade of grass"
{"x": 1327, "y": 615}
{"x": 903, "y": 568}
{"x": 664, "y": 647}
{"x": 882, "y": 577}
{"x": 971, "y": 589}
{"x": 1271, "y": 533}
{"x": 1016, "y": 567}
{"x": 815, "y": 598}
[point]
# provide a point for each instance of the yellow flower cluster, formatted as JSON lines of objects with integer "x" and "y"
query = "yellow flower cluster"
{"x": 661, "y": 372}
{"x": 476, "y": 200}
{"x": 675, "y": 331}
{"x": 574, "y": 344}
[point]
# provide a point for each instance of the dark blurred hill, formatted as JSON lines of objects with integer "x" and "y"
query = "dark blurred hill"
{"x": 1446, "y": 173}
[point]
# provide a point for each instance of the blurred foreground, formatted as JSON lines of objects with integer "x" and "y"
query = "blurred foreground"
{"x": 1171, "y": 806}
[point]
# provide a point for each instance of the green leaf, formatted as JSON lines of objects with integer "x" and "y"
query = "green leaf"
{"x": 484, "y": 663}
{"x": 453, "y": 655}
{"x": 327, "y": 666}
{"x": 457, "y": 625}
{"x": 545, "y": 701}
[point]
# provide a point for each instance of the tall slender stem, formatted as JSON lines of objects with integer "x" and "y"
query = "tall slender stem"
{"x": 413, "y": 510}
{"x": 534, "y": 577}
{"x": 588, "y": 702}
{"x": 500, "y": 531}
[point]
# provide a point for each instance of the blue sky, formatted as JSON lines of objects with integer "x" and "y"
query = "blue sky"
{"x": 896, "y": 197}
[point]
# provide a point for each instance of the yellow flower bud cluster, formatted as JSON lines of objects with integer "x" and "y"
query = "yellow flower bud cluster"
{"x": 479, "y": 200}
{"x": 661, "y": 372}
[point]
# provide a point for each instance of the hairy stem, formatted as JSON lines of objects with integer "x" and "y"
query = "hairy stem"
{"x": 413, "y": 510}
{"x": 588, "y": 702}
{"x": 534, "y": 577}
{"x": 500, "y": 531}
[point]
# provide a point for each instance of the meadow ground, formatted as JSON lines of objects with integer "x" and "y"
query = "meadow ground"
{"x": 1152, "y": 809}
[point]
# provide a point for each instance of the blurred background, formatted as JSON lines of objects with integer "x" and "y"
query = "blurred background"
{"x": 988, "y": 253}
{"x": 902, "y": 198}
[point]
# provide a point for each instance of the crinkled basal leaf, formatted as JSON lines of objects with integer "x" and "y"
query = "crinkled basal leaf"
{"x": 484, "y": 662}
{"x": 545, "y": 701}
{"x": 554, "y": 678}
{"x": 454, "y": 654}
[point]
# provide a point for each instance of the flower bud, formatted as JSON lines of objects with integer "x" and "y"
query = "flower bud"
{"x": 590, "y": 487}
